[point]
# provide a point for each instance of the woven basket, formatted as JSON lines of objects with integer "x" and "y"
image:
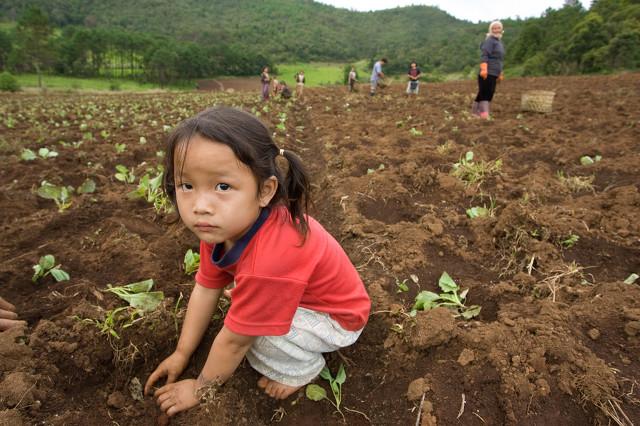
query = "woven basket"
{"x": 538, "y": 101}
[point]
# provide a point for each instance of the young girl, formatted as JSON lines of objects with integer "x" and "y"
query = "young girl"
{"x": 296, "y": 293}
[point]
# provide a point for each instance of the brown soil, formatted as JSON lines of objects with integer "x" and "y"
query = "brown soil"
{"x": 558, "y": 337}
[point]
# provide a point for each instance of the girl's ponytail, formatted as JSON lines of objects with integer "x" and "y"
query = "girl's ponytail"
{"x": 297, "y": 187}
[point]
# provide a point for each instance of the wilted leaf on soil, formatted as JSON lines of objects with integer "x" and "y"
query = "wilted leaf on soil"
{"x": 315, "y": 392}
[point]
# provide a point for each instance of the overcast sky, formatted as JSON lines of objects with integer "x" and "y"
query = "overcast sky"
{"x": 470, "y": 10}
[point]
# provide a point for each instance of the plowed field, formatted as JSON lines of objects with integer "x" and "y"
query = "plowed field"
{"x": 557, "y": 340}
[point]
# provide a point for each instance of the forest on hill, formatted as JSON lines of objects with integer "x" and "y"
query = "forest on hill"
{"x": 170, "y": 40}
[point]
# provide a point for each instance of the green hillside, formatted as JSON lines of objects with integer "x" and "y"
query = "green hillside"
{"x": 282, "y": 30}
{"x": 168, "y": 41}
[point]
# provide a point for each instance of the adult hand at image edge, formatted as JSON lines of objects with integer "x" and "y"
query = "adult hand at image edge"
{"x": 8, "y": 316}
{"x": 483, "y": 70}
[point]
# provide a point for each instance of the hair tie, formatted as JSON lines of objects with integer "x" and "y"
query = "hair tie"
{"x": 282, "y": 152}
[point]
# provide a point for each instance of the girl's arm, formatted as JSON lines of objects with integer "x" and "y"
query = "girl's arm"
{"x": 225, "y": 355}
{"x": 227, "y": 351}
{"x": 202, "y": 303}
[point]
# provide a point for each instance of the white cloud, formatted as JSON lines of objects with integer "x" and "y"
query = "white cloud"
{"x": 470, "y": 10}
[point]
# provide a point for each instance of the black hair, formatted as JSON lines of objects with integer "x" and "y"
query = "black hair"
{"x": 251, "y": 143}
{"x": 384, "y": 60}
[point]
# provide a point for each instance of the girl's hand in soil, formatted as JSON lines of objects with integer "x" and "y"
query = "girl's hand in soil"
{"x": 175, "y": 397}
{"x": 171, "y": 367}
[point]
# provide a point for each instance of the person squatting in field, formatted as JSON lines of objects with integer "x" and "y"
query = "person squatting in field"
{"x": 377, "y": 75}
{"x": 492, "y": 58}
{"x": 296, "y": 294}
{"x": 414, "y": 75}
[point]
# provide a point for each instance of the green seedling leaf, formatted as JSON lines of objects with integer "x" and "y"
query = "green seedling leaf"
{"x": 47, "y": 262}
{"x": 447, "y": 284}
{"x": 425, "y": 300}
{"x": 28, "y": 155}
{"x": 468, "y": 157}
{"x": 191, "y": 262}
{"x": 315, "y": 392}
{"x": 475, "y": 212}
{"x": 144, "y": 301}
{"x": 631, "y": 279}
{"x": 59, "y": 275}
{"x": 586, "y": 160}
{"x": 451, "y": 298}
{"x": 87, "y": 187}
{"x": 471, "y": 312}
{"x": 49, "y": 191}
{"x": 140, "y": 286}
{"x": 341, "y": 376}
{"x": 138, "y": 295}
{"x": 402, "y": 286}
{"x": 46, "y": 153}
{"x": 326, "y": 374}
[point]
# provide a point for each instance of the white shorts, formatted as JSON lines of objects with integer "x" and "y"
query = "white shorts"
{"x": 295, "y": 359}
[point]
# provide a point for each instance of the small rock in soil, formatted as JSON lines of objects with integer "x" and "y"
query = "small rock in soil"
{"x": 594, "y": 333}
{"x": 116, "y": 400}
{"x": 417, "y": 388}
{"x": 466, "y": 356}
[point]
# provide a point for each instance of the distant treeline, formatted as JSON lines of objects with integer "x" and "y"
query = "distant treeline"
{"x": 572, "y": 40}
{"x": 36, "y": 46}
{"x": 166, "y": 41}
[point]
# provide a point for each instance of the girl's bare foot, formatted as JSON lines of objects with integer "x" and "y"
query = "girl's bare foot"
{"x": 276, "y": 390}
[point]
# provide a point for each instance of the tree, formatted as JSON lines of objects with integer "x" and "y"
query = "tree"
{"x": 33, "y": 34}
{"x": 5, "y": 49}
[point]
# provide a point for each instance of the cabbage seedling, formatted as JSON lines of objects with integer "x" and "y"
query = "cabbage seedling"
{"x": 317, "y": 393}
{"x": 631, "y": 279}
{"x": 138, "y": 295}
{"x": 123, "y": 174}
{"x": 586, "y": 160}
{"x": 426, "y": 300}
{"x": 87, "y": 187}
{"x": 29, "y": 155}
{"x": 401, "y": 286}
{"x": 47, "y": 265}
{"x": 151, "y": 189}
{"x": 475, "y": 212}
{"x": 191, "y": 262}
{"x": 61, "y": 195}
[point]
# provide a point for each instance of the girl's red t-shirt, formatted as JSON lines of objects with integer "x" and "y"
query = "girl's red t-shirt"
{"x": 275, "y": 274}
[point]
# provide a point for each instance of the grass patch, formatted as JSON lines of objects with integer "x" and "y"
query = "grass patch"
{"x": 55, "y": 82}
{"x": 316, "y": 73}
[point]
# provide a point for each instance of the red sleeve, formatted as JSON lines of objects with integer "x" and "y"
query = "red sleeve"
{"x": 208, "y": 274}
{"x": 263, "y": 306}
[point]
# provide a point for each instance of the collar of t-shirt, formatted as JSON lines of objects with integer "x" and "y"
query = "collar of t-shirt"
{"x": 222, "y": 259}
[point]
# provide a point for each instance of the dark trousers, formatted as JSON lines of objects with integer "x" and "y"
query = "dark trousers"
{"x": 486, "y": 88}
